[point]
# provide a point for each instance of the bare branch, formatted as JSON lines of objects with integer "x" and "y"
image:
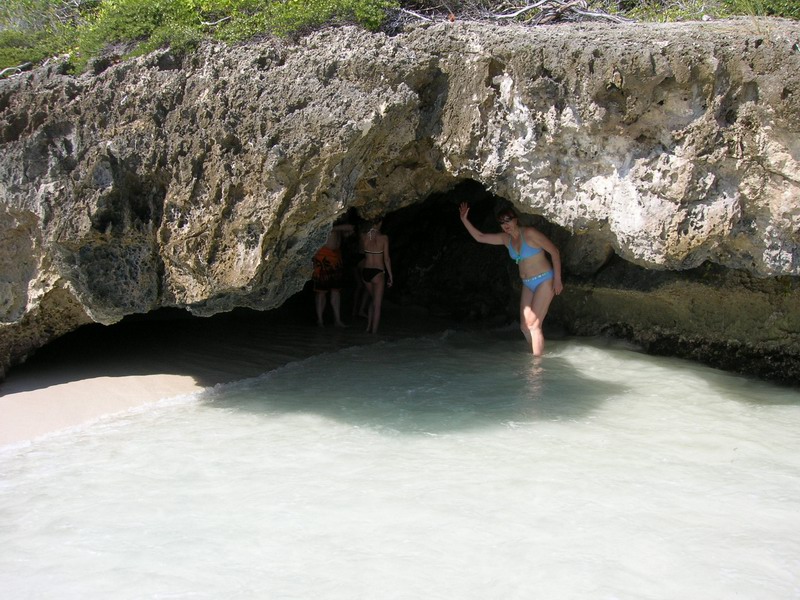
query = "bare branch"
{"x": 531, "y": 13}
{"x": 16, "y": 70}
{"x": 214, "y": 23}
{"x": 602, "y": 15}
{"x": 552, "y": 10}
{"x": 414, "y": 14}
{"x": 522, "y": 10}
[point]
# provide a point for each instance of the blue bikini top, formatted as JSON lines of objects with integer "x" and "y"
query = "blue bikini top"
{"x": 525, "y": 251}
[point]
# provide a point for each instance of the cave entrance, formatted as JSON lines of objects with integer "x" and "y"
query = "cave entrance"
{"x": 439, "y": 268}
{"x": 439, "y": 271}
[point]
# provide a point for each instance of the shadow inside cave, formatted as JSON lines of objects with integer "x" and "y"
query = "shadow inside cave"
{"x": 440, "y": 282}
{"x": 211, "y": 350}
{"x": 439, "y": 384}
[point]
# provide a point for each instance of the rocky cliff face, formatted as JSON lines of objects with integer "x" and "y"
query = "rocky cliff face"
{"x": 665, "y": 159}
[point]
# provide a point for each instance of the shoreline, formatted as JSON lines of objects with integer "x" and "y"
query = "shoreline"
{"x": 29, "y": 415}
{"x": 99, "y": 371}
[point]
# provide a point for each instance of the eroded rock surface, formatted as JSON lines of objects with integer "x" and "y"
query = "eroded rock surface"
{"x": 207, "y": 182}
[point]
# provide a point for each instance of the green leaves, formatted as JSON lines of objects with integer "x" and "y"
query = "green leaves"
{"x": 32, "y": 30}
{"x": 149, "y": 24}
{"x": 772, "y": 8}
{"x": 284, "y": 17}
{"x": 146, "y": 24}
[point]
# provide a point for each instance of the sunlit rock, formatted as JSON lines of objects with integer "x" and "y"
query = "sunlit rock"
{"x": 207, "y": 182}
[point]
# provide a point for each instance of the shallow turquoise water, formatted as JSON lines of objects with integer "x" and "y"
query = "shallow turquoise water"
{"x": 442, "y": 467}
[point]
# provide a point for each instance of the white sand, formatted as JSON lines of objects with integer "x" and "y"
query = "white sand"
{"x": 26, "y": 414}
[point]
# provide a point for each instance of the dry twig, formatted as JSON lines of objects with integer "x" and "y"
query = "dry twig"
{"x": 9, "y": 71}
{"x": 214, "y": 23}
{"x": 549, "y": 11}
{"x": 522, "y": 10}
{"x": 415, "y": 14}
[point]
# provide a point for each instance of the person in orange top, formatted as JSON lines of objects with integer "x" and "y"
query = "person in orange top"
{"x": 328, "y": 274}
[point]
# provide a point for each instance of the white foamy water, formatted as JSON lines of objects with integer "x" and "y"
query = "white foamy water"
{"x": 437, "y": 468}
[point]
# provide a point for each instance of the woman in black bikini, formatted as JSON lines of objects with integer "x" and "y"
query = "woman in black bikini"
{"x": 377, "y": 266}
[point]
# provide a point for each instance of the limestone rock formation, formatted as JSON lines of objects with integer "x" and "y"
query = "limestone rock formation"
{"x": 208, "y": 181}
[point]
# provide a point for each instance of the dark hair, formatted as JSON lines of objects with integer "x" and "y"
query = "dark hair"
{"x": 504, "y": 212}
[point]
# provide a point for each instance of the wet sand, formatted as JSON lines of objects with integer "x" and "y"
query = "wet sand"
{"x": 99, "y": 370}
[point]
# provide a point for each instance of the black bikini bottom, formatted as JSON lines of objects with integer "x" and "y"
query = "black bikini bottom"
{"x": 369, "y": 274}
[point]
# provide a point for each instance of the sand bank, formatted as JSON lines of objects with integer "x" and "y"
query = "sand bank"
{"x": 29, "y": 410}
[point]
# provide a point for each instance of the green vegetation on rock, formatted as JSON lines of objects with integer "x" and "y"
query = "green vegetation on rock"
{"x": 32, "y": 31}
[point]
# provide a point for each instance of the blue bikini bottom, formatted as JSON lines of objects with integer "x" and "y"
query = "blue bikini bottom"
{"x": 534, "y": 282}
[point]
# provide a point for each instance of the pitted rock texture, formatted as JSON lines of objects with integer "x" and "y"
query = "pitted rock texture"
{"x": 207, "y": 182}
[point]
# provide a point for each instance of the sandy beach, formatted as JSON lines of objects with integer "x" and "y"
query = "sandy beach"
{"x": 31, "y": 409}
{"x": 98, "y": 371}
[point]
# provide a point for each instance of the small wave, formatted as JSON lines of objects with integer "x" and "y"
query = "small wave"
{"x": 98, "y": 423}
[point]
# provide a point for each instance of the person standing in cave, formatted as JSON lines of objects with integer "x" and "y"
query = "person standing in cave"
{"x": 328, "y": 274}
{"x": 354, "y": 261}
{"x": 376, "y": 271}
{"x": 541, "y": 278}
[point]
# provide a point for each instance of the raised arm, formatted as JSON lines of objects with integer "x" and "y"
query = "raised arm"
{"x": 496, "y": 239}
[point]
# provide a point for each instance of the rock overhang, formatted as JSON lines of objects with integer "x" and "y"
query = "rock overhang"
{"x": 208, "y": 182}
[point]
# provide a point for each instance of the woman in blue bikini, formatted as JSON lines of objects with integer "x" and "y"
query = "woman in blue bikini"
{"x": 541, "y": 280}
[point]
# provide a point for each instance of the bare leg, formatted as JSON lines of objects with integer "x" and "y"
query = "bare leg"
{"x": 375, "y": 290}
{"x": 336, "y": 303}
{"x": 319, "y": 298}
{"x": 369, "y": 307}
{"x": 370, "y": 312}
{"x": 358, "y": 292}
{"x": 525, "y": 300}
{"x": 357, "y": 299}
{"x": 533, "y": 309}
{"x": 366, "y": 299}
{"x": 377, "y": 300}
